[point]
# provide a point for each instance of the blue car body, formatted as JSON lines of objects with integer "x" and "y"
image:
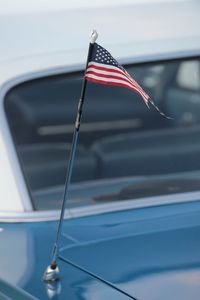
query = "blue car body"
{"x": 149, "y": 253}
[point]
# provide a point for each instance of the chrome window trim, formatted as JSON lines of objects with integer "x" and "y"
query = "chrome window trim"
{"x": 9, "y": 143}
{"x": 12, "y": 155}
{"x": 97, "y": 209}
{"x": 28, "y": 215}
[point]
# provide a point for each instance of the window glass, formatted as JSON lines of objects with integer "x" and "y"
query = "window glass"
{"x": 125, "y": 151}
{"x": 188, "y": 75}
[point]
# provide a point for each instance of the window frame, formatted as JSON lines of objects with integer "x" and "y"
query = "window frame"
{"x": 31, "y": 215}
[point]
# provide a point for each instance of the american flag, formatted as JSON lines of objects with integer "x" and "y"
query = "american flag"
{"x": 104, "y": 69}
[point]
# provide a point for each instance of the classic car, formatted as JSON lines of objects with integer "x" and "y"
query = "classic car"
{"x": 132, "y": 223}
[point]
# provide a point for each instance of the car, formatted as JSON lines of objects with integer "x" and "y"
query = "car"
{"x": 132, "y": 222}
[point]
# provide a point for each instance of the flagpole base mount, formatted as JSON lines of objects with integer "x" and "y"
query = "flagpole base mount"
{"x": 52, "y": 274}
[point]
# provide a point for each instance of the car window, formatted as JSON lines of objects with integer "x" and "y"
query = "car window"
{"x": 188, "y": 75}
{"x": 125, "y": 150}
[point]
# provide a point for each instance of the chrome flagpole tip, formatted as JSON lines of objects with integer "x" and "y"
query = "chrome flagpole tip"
{"x": 93, "y": 36}
{"x": 51, "y": 274}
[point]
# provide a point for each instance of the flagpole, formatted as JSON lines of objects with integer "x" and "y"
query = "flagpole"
{"x": 52, "y": 272}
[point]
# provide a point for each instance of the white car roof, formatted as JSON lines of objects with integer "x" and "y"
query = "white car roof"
{"x": 42, "y": 37}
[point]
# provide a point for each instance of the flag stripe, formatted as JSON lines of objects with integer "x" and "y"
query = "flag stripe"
{"x": 107, "y": 68}
{"x": 109, "y": 79}
{"x": 106, "y": 71}
{"x": 117, "y": 84}
{"x": 103, "y": 67}
{"x": 113, "y": 81}
{"x": 99, "y": 65}
{"x": 109, "y": 75}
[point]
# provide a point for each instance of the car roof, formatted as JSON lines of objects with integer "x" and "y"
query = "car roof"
{"x": 44, "y": 38}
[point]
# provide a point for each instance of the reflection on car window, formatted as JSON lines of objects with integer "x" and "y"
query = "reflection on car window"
{"x": 188, "y": 75}
{"x": 125, "y": 151}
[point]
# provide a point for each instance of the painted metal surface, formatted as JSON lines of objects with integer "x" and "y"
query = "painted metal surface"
{"x": 8, "y": 291}
{"x": 52, "y": 42}
{"x": 54, "y": 28}
{"x": 151, "y": 253}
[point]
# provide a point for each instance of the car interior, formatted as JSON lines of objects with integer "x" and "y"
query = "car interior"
{"x": 119, "y": 136}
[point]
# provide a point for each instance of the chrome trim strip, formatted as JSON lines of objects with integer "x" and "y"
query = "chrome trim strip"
{"x": 96, "y": 209}
{"x": 92, "y": 126}
{"x": 135, "y": 204}
{"x": 34, "y": 216}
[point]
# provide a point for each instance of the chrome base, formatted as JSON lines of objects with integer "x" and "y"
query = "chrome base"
{"x": 53, "y": 289}
{"x": 51, "y": 274}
